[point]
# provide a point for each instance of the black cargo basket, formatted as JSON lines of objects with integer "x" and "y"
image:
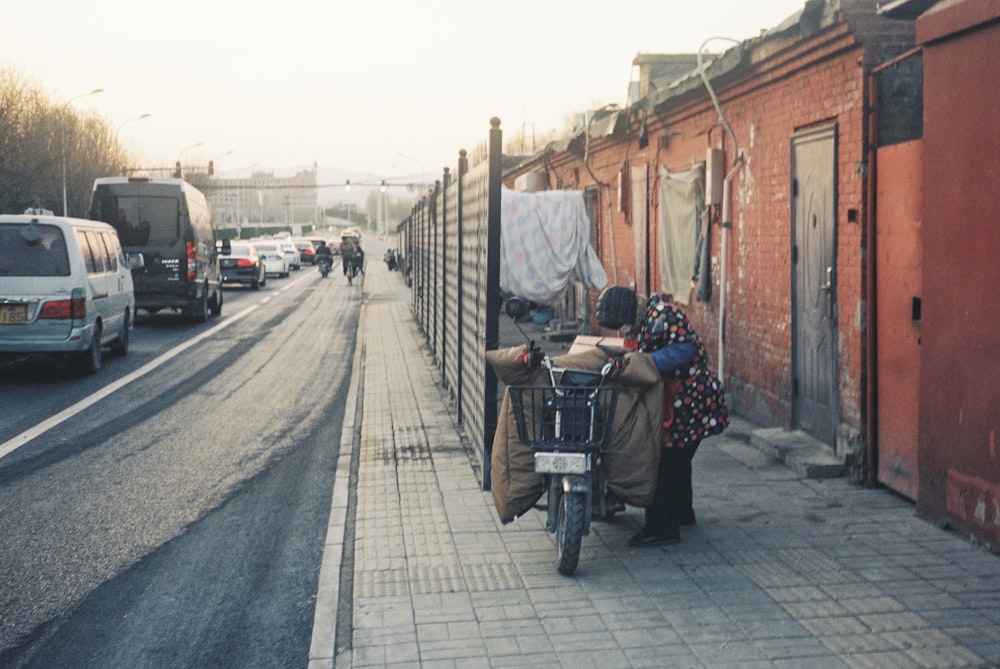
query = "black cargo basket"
{"x": 563, "y": 418}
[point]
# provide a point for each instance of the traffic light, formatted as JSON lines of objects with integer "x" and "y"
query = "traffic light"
{"x": 177, "y": 170}
{"x": 211, "y": 167}
{"x": 347, "y": 186}
{"x": 383, "y": 186}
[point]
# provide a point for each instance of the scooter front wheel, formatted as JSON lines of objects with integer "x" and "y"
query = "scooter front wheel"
{"x": 569, "y": 531}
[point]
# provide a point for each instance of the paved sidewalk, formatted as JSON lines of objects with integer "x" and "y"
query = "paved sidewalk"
{"x": 780, "y": 572}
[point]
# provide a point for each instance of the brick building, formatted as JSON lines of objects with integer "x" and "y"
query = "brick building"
{"x": 782, "y": 206}
{"x": 776, "y": 142}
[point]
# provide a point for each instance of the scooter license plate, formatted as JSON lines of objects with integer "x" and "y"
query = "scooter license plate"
{"x": 561, "y": 463}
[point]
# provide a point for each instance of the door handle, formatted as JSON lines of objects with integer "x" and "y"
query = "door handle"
{"x": 828, "y": 289}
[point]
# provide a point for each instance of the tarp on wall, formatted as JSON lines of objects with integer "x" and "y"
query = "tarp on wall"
{"x": 545, "y": 245}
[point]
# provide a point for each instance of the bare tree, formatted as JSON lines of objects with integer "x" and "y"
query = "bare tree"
{"x": 34, "y": 132}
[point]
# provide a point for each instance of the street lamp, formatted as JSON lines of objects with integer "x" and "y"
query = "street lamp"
{"x": 211, "y": 162}
{"x": 65, "y": 105}
{"x": 120, "y": 125}
{"x": 137, "y": 118}
{"x": 239, "y": 196}
{"x": 179, "y": 172}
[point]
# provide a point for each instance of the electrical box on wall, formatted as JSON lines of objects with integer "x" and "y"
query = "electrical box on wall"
{"x": 715, "y": 173}
{"x": 530, "y": 182}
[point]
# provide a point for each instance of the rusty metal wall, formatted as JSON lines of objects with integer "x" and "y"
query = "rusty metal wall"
{"x": 452, "y": 242}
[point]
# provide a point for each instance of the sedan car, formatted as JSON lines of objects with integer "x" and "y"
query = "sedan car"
{"x": 316, "y": 240}
{"x": 273, "y": 256}
{"x": 307, "y": 252}
{"x": 243, "y": 265}
{"x": 291, "y": 253}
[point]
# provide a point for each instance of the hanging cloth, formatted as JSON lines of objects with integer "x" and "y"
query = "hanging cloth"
{"x": 681, "y": 205}
{"x": 545, "y": 245}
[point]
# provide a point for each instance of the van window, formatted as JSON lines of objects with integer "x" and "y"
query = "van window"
{"x": 38, "y": 252}
{"x": 112, "y": 249}
{"x": 89, "y": 246}
{"x": 141, "y": 221}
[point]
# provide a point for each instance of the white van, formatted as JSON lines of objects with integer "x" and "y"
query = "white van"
{"x": 65, "y": 289}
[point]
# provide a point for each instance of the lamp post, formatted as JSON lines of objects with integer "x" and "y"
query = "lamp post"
{"x": 137, "y": 118}
{"x": 120, "y": 125}
{"x": 180, "y": 158}
{"x": 382, "y": 224}
{"x": 239, "y": 195}
{"x": 65, "y": 105}
{"x": 211, "y": 162}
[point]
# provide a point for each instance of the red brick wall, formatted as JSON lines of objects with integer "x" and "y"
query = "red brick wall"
{"x": 960, "y": 364}
{"x": 798, "y": 84}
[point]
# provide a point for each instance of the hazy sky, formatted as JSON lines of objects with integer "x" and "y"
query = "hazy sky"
{"x": 377, "y": 89}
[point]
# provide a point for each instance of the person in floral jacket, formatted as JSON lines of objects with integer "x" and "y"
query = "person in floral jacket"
{"x": 695, "y": 408}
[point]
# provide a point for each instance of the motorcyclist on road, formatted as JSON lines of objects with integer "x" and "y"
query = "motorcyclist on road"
{"x": 324, "y": 258}
{"x": 324, "y": 252}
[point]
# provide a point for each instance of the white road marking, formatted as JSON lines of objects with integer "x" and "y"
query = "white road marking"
{"x": 20, "y": 440}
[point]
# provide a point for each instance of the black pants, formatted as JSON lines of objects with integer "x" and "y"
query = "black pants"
{"x": 672, "y": 502}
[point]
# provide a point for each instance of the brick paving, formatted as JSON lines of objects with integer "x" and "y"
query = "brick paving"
{"x": 781, "y": 571}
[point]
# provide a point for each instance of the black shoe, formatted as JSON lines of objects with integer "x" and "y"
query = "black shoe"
{"x": 646, "y": 539}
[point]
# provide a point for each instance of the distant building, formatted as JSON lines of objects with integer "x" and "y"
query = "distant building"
{"x": 263, "y": 197}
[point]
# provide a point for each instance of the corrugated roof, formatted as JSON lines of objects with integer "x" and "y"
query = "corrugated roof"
{"x": 905, "y": 9}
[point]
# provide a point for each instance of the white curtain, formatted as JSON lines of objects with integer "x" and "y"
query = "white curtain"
{"x": 681, "y": 206}
{"x": 545, "y": 245}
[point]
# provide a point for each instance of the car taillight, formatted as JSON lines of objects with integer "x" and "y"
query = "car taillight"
{"x": 310, "y": 252}
{"x": 244, "y": 262}
{"x": 191, "y": 258}
{"x": 74, "y": 307}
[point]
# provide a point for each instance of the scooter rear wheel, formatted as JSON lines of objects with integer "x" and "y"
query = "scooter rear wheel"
{"x": 569, "y": 531}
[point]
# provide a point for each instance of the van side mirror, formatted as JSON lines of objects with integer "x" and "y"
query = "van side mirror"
{"x": 135, "y": 260}
{"x": 227, "y": 247}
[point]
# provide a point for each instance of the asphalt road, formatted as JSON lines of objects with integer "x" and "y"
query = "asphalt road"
{"x": 179, "y": 520}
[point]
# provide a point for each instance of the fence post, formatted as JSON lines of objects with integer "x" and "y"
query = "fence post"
{"x": 463, "y": 168}
{"x": 446, "y": 180}
{"x": 492, "y": 288}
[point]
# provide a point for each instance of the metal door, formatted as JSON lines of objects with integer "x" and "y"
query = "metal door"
{"x": 814, "y": 295}
{"x": 898, "y": 263}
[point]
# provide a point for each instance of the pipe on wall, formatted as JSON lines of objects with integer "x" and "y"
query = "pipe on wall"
{"x": 727, "y": 224}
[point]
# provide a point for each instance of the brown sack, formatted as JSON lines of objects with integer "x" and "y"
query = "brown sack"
{"x": 631, "y": 455}
{"x": 513, "y": 481}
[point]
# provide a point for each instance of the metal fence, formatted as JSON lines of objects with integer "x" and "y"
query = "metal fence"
{"x": 451, "y": 260}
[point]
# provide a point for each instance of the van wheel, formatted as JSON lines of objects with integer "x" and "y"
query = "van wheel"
{"x": 90, "y": 360}
{"x": 199, "y": 312}
{"x": 120, "y": 347}
{"x": 216, "y": 306}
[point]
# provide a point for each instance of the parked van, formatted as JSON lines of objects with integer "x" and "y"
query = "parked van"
{"x": 168, "y": 222}
{"x": 65, "y": 289}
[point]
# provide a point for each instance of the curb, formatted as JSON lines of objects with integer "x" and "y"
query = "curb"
{"x": 805, "y": 455}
